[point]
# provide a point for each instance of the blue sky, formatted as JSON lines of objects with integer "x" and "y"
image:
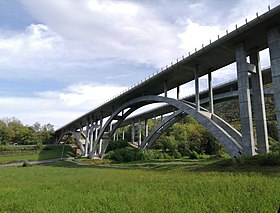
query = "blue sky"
{"x": 61, "y": 58}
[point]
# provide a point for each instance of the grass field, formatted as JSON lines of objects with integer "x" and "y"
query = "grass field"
{"x": 173, "y": 186}
{"x": 20, "y": 153}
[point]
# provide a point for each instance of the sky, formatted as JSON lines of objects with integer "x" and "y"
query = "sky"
{"x": 62, "y": 58}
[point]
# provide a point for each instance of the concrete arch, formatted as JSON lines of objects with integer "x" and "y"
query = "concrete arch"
{"x": 225, "y": 138}
{"x": 161, "y": 128}
{"x": 77, "y": 136}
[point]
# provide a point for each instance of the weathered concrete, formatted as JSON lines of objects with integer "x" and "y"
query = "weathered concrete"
{"x": 258, "y": 104}
{"x": 273, "y": 38}
{"x": 244, "y": 101}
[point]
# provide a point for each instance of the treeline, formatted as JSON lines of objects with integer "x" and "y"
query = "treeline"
{"x": 13, "y": 131}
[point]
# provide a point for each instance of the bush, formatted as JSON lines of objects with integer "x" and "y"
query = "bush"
{"x": 194, "y": 155}
{"x": 129, "y": 154}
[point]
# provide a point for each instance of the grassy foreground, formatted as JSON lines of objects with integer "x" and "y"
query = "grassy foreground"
{"x": 20, "y": 153}
{"x": 65, "y": 187}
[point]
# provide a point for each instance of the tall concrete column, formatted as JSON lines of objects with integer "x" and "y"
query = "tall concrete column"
{"x": 146, "y": 128}
{"x": 196, "y": 82}
{"x": 165, "y": 88}
{"x": 210, "y": 88}
{"x": 258, "y": 104}
{"x": 273, "y": 38}
{"x": 244, "y": 101}
{"x": 91, "y": 136}
{"x": 123, "y": 134}
{"x": 132, "y": 131}
{"x": 87, "y": 140}
{"x": 101, "y": 141}
{"x": 96, "y": 135}
{"x": 178, "y": 92}
{"x": 139, "y": 132}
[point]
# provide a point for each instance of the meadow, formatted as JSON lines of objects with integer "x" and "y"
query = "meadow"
{"x": 172, "y": 186}
{"x": 11, "y": 154}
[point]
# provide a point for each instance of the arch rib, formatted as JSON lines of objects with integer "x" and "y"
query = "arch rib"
{"x": 232, "y": 146}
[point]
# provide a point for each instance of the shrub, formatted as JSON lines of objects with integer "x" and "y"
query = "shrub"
{"x": 194, "y": 155}
{"x": 129, "y": 154}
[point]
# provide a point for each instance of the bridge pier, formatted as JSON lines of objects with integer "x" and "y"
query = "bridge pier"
{"x": 273, "y": 38}
{"x": 132, "y": 132}
{"x": 139, "y": 131}
{"x": 196, "y": 82}
{"x": 244, "y": 101}
{"x": 258, "y": 104}
{"x": 210, "y": 88}
{"x": 146, "y": 128}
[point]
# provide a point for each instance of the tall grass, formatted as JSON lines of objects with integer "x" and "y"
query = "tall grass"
{"x": 66, "y": 188}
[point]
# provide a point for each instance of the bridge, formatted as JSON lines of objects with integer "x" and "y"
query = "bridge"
{"x": 94, "y": 130}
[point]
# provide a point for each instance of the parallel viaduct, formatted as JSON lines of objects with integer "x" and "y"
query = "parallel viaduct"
{"x": 94, "y": 130}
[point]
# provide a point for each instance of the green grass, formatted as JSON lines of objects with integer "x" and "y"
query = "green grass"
{"x": 48, "y": 152}
{"x": 155, "y": 186}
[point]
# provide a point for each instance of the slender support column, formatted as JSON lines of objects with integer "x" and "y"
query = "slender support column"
{"x": 123, "y": 134}
{"x": 274, "y": 51}
{"x": 258, "y": 104}
{"x": 210, "y": 88}
{"x": 196, "y": 82}
{"x": 91, "y": 137}
{"x": 165, "y": 89}
{"x": 96, "y": 134}
{"x": 87, "y": 140}
{"x": 132, "y": 131}
{"x": 100, "y": 146}
{"x": 178, "y": 92}
{"x": 139, "y": 132}
{"x": 117, "y": 134}
{"x": 146, "y": 128}
{"x": 81, "y": 132}
{"x": 244, "y": 101}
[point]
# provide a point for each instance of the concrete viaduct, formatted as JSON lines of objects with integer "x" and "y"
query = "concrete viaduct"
{"x": 94, "y": 130}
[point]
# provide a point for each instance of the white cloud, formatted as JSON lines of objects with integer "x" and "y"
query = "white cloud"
{"x": 80, "y": 39}
{"x": 120, "y": 29}
{"x": 195, "y": 35}
{"x": 58, "y": 107}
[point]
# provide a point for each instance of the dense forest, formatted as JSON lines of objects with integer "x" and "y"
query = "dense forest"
{"x": 13, "y": 132}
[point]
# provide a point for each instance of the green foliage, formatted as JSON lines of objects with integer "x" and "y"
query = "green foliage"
{"x": 117, "y": 144}
{"x": 187, "y": 136}
{"x": 129, "y": 154}
{"x": 12, "y": 131}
